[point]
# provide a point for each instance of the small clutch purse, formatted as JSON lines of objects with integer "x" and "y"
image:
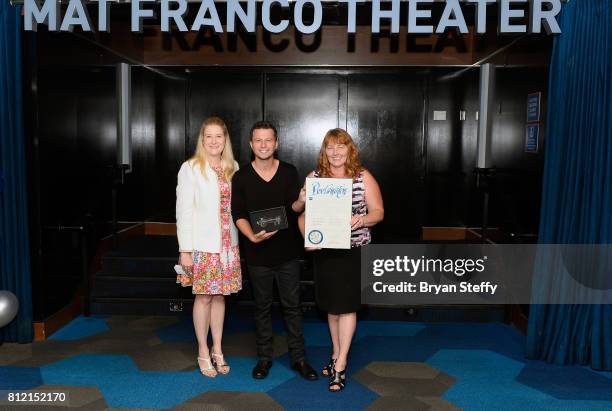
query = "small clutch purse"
{"x": 182, "y": 270}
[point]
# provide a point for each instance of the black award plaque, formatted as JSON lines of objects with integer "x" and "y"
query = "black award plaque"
{"x": 270, "y": 219}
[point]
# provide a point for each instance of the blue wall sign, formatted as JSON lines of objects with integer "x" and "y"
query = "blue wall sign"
{"x": 532, "y": 134}
{"x": 533, "y": 107}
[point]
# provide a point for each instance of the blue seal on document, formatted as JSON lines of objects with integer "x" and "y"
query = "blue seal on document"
{"x": 315, "y": 237}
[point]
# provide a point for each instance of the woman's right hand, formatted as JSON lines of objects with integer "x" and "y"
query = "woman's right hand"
{"x": 186, "y": 259}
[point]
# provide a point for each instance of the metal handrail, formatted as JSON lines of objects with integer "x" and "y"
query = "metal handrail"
{"x": 60, "y": 227}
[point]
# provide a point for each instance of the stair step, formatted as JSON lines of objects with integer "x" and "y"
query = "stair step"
{"x": 146, "y": 246}
{"x": 138, "y": 265}
{"x": 164, "y": 267}
{"x": 156, "y": 287}
{"x": 140, "y": 271}
{"x": 164, "y": 306}
{"x": 184, "y": 306}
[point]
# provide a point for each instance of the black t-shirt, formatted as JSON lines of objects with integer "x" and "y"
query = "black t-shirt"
{"x": 251, "y": 193}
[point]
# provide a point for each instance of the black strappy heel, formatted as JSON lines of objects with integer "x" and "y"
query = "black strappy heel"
{"x": 329, "y": 368}
{"x": 338, "y": 379}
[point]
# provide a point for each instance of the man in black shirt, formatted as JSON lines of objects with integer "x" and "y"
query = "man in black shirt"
{"x": 262, "y": 184}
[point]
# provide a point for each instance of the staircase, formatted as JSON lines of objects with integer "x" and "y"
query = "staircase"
{"x": 137, "y": 277}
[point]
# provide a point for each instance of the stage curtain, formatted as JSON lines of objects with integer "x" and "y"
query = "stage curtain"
{"x": 577, "y": 188}
{"x": 14, "y": 247}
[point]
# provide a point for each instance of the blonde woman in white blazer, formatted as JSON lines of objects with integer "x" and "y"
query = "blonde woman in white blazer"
{"x": 207, "y": 237}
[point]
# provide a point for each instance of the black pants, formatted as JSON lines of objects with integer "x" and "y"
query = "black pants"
{"x": 288, "y": 281}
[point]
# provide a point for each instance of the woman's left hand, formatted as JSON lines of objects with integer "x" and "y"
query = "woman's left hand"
{"x": 357, "y": 222}
{"x": 311, "y": 249}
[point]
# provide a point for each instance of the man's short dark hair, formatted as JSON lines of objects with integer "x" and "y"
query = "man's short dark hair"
{"x": 265, "y": 125}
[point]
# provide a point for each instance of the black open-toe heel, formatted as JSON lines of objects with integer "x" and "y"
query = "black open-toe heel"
{"x": 338, "y": 379}
{"x": 329, "y": 368}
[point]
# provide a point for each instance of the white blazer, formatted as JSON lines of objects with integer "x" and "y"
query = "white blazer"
{"x": 198, "y": 223}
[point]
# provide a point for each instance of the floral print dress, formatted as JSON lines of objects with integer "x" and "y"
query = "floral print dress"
{"x": 217, "y": 273}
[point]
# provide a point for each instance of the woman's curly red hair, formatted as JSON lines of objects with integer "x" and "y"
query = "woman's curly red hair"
{"x": 339, "y": 136}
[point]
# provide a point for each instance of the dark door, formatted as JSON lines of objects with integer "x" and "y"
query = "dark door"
{"x": 303, "y": 107}
{"x": 385, "y": 115}
{"x": 234, "y": 97}
{"x": 383, "y": 112}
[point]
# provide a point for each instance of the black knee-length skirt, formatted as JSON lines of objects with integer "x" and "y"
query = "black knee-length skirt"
{"x": 337, "y": 279}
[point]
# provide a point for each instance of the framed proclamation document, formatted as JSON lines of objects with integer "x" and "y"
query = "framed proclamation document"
{"x": 329, "y": 203}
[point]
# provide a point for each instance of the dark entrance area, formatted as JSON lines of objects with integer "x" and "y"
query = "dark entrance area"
{"x": 416, "y": 129}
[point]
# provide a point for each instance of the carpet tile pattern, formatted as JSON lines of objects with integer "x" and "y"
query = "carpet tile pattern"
{"x": 148, "y": 362}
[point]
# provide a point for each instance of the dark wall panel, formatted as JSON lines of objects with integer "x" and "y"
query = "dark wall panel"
{"x": 385, "y": 116}
{"x": 76, "y": 133}
{"x": 303, "y": 107}
{"x": 170, "y": 137}
{"x": 158, "y": 141}
{"x": 142, "y": 185}
{"x": 77, "y": 142}
{"x": 452, "y": 197}
{"x": 233, "y": 96}
{"x": 451, "y": 148}
{"x": 97, "y": 136}
{"x": 158, "y": 136}
{"x": 425, "y": 167}
{"x": 517, "y": 192}
{"x": 57, "y": 143}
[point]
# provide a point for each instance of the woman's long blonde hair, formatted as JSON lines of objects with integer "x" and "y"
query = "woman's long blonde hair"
{"x": 339, "y": 136}
{"x": 227, "y": 155}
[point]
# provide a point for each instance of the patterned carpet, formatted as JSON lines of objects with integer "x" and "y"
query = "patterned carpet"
{"x": 124, "y": 362}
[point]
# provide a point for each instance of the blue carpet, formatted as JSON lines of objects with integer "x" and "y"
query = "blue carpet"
{"x": 487, "y": 361}
{"x": 387, "y": 328}
{"x": 299, "y": 394}
{"x": 566, "y": 382}
{"x": 487, "y": 380}
{"x": 81, "y": 327}
{"x": 182, "y": 331}
{"x": 605, "y": 373}
{"x": 19, "y": 378}
{"x": 125, "y": 386}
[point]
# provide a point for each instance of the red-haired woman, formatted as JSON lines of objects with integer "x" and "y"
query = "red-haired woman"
{"x": 208, "y": 239}
{"x": 337, "y": 272}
